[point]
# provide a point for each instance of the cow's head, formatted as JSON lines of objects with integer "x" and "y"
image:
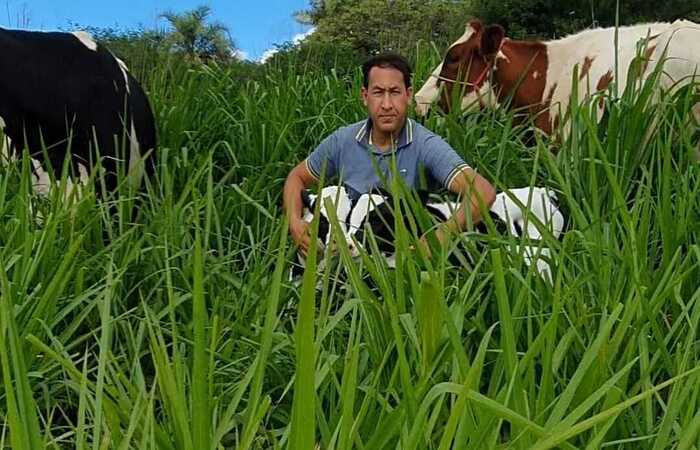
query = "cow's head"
{"x": 464, "y": 71}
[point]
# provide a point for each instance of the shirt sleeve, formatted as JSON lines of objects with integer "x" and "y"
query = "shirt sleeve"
{"x": 325, "y": 155}
{"x": 441, "y": 160}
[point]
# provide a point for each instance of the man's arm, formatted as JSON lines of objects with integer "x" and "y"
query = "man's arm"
{"x": 299, "y": 178}
{"x": 448, "y": 168}
{"x": 321, "y": 160}
{"x": 475, "y": 192}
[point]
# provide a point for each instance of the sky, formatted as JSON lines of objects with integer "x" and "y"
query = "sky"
{"x": 255, "y": 25}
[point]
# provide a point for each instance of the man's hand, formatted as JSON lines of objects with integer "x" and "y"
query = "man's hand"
{"x": 424, "y": 247}
{"x": 300, "y": 235}
{"x": 298, "y": 179}
{"x": 441, "y": 235}
{"x": 475, "y": 192}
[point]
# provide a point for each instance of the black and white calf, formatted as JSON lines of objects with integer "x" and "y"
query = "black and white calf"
{"x": 339, "y": 197}
{"x": 537, "y": 203}
{"x": 65, "y": 93}
{"x": 374, "y": 211}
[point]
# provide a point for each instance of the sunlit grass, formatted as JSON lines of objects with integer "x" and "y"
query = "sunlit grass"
{"x": 177, "y": 328}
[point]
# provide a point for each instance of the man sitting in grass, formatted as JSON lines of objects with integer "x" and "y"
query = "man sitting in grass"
{"x": 361, "y": 154}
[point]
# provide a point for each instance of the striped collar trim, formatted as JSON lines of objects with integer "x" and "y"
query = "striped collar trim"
{"x": 405, "y": 138}
{"x": 363, "y": 131}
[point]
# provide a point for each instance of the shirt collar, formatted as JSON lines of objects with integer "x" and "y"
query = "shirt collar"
{"x": 405, "y": 137}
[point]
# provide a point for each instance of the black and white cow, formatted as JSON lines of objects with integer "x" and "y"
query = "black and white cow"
{"x": 374, "y": 211}
{"x": 67, "y": 95}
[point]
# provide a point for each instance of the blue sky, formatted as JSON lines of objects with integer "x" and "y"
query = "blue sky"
{"x": 255, "y": 25}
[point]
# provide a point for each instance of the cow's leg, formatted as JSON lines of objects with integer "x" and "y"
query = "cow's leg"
{"x": 136, "y": 163}
{"x": 6, "y": 152}
{"x": 56, "y": 156}
{"x": 696, "y": 115}
{"x": 43, "y": 186}
{"x": 41, "y": 181}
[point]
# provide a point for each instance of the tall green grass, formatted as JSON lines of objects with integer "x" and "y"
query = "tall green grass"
{"x": 182, "y": 331}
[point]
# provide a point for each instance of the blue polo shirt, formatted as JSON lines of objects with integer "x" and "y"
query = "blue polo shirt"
{"x": 348, "y": 156}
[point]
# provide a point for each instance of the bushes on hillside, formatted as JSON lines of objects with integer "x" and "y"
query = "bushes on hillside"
{"x": 348, "y": 32}
{"x": 550, "y": 19}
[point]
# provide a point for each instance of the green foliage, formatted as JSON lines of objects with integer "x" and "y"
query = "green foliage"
{"x": 191, "y": 42}
{"x": 348, "y": 32}
{"x": 315, "y": 57}
{"x": 375, "y": 25}
{"x": 549, "y": 19}
{"x": 196, "y": 38}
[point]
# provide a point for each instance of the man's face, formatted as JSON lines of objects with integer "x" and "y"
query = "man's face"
{"x": 386, "y": 98}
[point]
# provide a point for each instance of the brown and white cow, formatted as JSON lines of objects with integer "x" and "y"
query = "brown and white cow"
{"x": 488, "y": 67}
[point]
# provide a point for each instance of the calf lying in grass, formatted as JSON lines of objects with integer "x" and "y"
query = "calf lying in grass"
{"x": 339, "y": 197}
{"x": 517, "y": 212}
{"x": 522, "y": 212}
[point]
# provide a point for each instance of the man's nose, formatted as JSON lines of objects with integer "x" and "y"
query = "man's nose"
{"x": 386, "y": 101}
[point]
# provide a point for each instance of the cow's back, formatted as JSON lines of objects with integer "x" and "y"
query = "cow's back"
{"x": 64, "y": 92}
{"x": 596, "y": 59}
{"x": 679, "y": 50}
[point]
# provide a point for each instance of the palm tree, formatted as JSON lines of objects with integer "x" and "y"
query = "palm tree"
{"x": 196, "y": 38}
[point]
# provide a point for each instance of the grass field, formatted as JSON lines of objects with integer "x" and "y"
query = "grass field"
{"x": 179, "y": 330}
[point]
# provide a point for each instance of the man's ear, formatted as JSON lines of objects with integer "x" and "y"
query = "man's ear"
{"x": 491, "y": 40}
{"x": 363, "y": 94}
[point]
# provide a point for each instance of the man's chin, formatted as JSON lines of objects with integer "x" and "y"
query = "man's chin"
{"x": 387, "y": 128}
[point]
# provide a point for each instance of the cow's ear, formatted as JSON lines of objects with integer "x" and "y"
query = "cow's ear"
{"x": 491, "y": 40}
{"x": 475, "y": 24}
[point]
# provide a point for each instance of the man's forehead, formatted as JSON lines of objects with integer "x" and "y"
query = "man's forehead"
{"x": 382, "y": 84}
{"x": 385, "y": 77}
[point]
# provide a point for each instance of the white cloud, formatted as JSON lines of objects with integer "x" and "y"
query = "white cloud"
{"x": 241, "y": 54}
{"x": 296, "y": 40}
{"x": 267, "y": 54}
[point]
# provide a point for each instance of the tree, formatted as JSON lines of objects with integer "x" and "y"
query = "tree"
{"x": 370, "y": 26}
{"x": 347, "y": 32}
{"x": 549, "y": 19}
{"x": 196, "y": 38}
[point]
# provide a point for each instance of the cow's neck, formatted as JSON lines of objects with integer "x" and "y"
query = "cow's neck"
{"x": 521, "y": 72}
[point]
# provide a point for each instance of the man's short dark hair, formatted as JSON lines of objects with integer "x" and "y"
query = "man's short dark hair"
{"x": 385, "y": 60}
